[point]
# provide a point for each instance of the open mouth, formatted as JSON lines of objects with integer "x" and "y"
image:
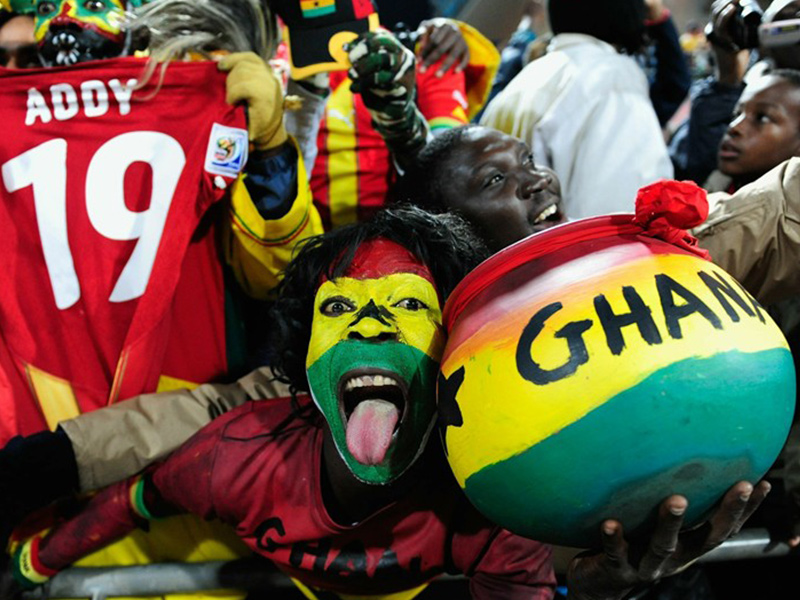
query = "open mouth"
{"x": 550, "y": 215}
{"x": 357, "y": 386}
{"x": 373, "y": 404}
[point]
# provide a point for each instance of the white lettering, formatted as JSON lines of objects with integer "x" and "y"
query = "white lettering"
{"x": 37, "y": 108}
{"x": 123, "y": 93}
{"x": 65, "y": 101}
{"x": 95, "y": 98}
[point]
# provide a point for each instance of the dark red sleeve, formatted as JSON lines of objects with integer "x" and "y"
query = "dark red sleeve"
{"x": 180, "y": 484}
{"x": 503, "y": 565}
{"x": 106, "y": 518}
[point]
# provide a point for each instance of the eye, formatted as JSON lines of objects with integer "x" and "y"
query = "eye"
{"x": 528, "y": 160}
{"x": 45, "y": 8}
{"x": 94, "y": 5}
{"x": 333, "y": 307}
{"x": 762, "y": 118}
{"x": 492, "y": 179}
{"x": 411, "y": 304}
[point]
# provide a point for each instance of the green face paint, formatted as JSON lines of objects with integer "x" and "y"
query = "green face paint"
{"x": 332, "y": 378}
{"x": 372, "y": 363}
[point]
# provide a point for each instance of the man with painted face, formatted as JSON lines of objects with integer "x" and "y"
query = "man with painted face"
{"x": 356, "y": 498}
{"x": 351, "y": 498}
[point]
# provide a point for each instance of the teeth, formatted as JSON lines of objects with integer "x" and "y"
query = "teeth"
{"x": 369, "y": 381}
{"x": 549, "y": 211}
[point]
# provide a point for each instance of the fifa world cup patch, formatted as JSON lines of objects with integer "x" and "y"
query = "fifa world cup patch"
{"x": 227, "y": 150}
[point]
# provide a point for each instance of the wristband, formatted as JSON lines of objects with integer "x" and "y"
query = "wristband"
{"x": 136, "y": 496}
{"x": 27, "y": 568}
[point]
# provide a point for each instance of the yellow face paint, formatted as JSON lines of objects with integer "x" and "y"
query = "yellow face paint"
{"x": 104, "y": 17}
{"x": 338, "y": 302}
{"x": 372, "y": 363}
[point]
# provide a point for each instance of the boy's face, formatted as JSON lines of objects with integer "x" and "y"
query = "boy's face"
{"x": 493, "y": 182}
{"x": 376, "y": 342}
{"x": 765, "y": 129}
{"x": 72, "y": 31}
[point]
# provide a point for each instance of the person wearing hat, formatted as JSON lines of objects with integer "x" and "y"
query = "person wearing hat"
{"x": 357, "y": 148}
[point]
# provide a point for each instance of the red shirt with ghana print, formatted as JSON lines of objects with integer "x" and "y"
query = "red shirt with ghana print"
{"x": 258, "y": 468}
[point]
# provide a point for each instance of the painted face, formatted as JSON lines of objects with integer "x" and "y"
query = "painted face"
{"x": 499, "y": 189}
{"x": 373, "y": 357}
{"x": 765, "y": 130}
{"x": 73, "y": 31}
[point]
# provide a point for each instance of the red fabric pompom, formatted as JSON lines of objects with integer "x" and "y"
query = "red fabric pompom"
{"x": 667, "y": 208}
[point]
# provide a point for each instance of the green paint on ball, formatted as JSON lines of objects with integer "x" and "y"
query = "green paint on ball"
{"x": 693, "y": 428}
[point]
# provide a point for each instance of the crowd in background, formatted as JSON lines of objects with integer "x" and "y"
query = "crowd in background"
{"x": 564, "y": 115}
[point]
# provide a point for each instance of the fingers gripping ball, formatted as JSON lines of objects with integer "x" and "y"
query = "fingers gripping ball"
{"x": 383, "y": 73}
{"x": 252, "y": 81}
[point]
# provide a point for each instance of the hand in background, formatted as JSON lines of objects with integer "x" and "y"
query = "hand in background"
{"x": 383, "y": 73}
{"x": 441, "y": 38}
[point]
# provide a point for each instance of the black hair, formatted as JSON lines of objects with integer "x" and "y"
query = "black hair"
{"x": 423, "y": 184}
{"x": 445, "y": 243}
{"x": 617, "y": 22}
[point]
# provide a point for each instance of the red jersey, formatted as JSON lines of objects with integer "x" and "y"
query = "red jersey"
{"x": 258, "y": 468}
{"x": 103, "y": 187}
{"x": 354, "y": 168}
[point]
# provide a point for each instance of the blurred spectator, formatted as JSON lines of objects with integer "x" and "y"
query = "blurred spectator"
{"x": 765, "y": 130}
{"x": 694, "y": 146}
{"x": 515, "y": 55}
{"x": 697, "y": 49}
{"x": 17, "y": 44}
{"x": 664, "y": 62}
{"x": 585, "y": 107}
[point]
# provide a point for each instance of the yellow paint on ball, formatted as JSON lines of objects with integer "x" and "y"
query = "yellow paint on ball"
{"x": 695, "y": 310}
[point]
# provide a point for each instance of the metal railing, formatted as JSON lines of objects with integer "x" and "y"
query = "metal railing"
{"x": 256, "y": 574}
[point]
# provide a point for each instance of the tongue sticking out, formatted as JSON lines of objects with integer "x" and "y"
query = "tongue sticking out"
{"x": 370, "y": 429}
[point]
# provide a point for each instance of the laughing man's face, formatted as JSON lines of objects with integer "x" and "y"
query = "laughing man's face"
{"x": 494, "y": 183}
{"x": 374, "y": 353}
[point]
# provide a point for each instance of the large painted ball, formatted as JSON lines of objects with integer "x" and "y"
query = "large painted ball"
{"x": 592, "y": 371}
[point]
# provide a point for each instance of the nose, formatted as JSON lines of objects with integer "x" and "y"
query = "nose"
{"x": 534, "y": 182}
{"x": 735, "y": 126}
{"x": 373, "y": 323}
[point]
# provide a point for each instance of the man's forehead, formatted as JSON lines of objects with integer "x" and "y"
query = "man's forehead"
{"x": 380, "y": 257}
